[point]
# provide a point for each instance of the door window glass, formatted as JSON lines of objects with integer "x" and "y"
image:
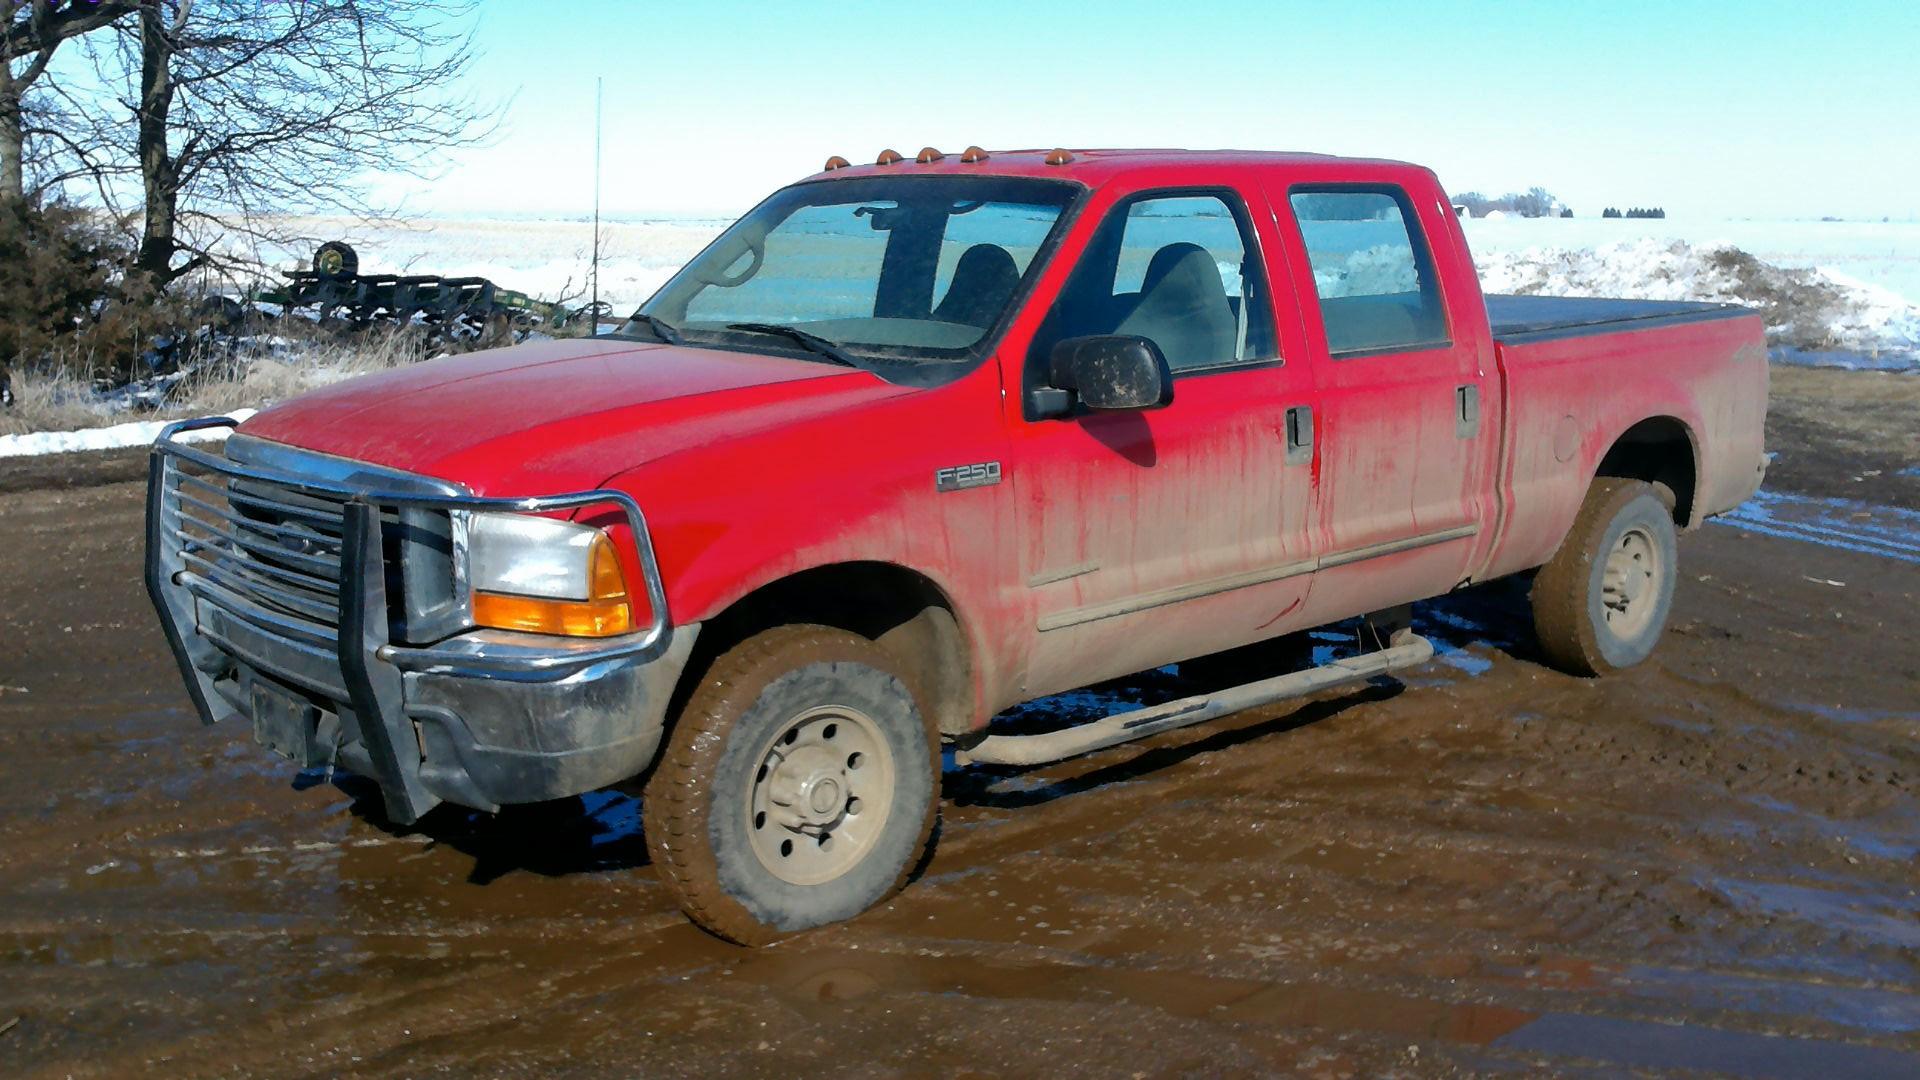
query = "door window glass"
{"x": 1179, "y": 269}
{"x": 1371, "y": 270}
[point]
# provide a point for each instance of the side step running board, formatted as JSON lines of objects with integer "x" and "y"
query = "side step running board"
{"x": 1407, "y": 650}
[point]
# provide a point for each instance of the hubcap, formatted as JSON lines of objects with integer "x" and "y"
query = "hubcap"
{"x": 1630, "y": 583}
{"x": 820, "y": 795}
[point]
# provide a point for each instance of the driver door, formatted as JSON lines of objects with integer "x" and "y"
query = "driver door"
{"x": 1153, "y": 536}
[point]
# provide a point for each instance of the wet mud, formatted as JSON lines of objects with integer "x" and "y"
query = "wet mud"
{"x": 1707, "y": 863}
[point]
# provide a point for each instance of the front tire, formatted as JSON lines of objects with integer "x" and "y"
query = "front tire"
{"x": 1601, "y": 604}
{"x": 799, "y": 787}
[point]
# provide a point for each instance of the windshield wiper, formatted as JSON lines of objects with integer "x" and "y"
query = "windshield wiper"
{"x": 660, "y": 327}
{"x": 808, "y": 340}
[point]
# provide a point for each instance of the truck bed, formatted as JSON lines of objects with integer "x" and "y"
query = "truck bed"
{"x": 1543, "y": 318}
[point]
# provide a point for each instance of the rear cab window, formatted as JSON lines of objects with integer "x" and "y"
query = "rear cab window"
{"x": 1372, "y": 269}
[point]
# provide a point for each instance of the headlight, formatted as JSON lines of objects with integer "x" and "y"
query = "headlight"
{"x": 545, "y": 577}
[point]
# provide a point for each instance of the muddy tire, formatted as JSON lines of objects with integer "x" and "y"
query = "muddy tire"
{"x": 799, "y": 786}
{"x": 1602, "y": 602}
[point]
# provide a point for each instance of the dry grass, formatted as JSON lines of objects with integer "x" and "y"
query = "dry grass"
{"x": 1849, "y": 433}
{"x": 56, "y": 400}
{"x": 1870, "y": 411}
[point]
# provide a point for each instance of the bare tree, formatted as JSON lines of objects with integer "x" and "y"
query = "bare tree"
{"x": 34, "y": 30}
{"x": 245, "y": 113}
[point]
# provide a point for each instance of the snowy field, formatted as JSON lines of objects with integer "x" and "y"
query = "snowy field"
{"x": 1873, "y": 269}
{"x": 1882, "y": 253}
{"x": 549, "y": 258}
{"x": 1841, "y": 294}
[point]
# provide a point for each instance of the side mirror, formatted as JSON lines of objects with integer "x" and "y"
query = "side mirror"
{"x": 1109, "y": 372}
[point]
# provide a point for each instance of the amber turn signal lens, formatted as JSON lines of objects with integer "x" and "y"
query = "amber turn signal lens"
{"x": 604, "y": 613}
{"x": 573, "y": 618}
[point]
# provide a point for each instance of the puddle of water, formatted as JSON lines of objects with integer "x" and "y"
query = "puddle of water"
{"x": 1845, "y": 715}
{"x": 1466, "y": 662}
{"x": 1846, "y": 524}
{"x": 1899, "y": 926}
{"x": 1641, "y": 1044}
{"x": 1893, "y": 1012}
{"x": 1853, "y": 833}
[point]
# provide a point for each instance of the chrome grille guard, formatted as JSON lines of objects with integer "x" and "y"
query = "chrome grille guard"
{"x": 371, "y": 667}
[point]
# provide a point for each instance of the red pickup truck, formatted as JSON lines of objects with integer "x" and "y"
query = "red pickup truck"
{"x": 914, "y": 442}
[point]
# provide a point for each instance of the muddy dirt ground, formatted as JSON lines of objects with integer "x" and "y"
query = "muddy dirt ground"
{"x": 1708, "y": 863}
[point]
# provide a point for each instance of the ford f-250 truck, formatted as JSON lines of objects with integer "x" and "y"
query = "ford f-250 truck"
{"x": 916, "y": 441}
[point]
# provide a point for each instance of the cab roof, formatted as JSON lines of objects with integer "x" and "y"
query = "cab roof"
{"x": 1090, "y": 166}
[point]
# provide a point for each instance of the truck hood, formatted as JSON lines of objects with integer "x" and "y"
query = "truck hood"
{"x": 557, "y": 416}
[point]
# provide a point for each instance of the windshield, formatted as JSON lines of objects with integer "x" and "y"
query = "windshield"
{"x": 891, "y": 268}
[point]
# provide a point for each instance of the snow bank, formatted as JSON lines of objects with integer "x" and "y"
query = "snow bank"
{"x": 115, "y": 437}
{"x": 1807, "y": 310}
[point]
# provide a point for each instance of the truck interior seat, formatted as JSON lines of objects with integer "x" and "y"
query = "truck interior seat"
{"x": 983, "y": 282}
{"x": 1183, "y": 308}
{"x": 1398, "y": 321}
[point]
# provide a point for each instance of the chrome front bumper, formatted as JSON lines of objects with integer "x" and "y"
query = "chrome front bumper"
{"x": 291, "y": 622}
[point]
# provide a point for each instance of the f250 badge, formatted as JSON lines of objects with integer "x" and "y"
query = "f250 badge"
{"x": 961, "y": 477}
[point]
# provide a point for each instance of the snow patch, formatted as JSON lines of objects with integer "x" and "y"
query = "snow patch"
{"x": 1807, "y": 310}
{"x": 115, "y": 437}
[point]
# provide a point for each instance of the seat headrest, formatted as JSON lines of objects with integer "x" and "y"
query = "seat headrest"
{"x": 983, "y": 280}
{"x": 1181, "y": 256}
{"x": 986, "y": 261}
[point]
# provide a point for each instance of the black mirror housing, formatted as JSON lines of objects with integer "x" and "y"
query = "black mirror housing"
{"x": 1112, "y": 372}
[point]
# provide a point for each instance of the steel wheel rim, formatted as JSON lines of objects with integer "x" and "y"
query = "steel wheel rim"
{"x": 821, "y": 793}
{"x": 1630, "y": 583}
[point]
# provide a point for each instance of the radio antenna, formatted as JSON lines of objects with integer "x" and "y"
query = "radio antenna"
{"x": 594, "y": 310}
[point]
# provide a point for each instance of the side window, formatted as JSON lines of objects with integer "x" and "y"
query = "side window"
{"x": 1372, "y": 270}
{"x": 1181, "y": 269}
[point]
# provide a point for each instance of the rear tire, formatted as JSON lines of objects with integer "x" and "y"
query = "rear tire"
{"x": 1602, "y": 602}
{"x": 799, "y": 787}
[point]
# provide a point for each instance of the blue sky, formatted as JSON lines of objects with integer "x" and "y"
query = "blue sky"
{"x": 1711, "y": 108}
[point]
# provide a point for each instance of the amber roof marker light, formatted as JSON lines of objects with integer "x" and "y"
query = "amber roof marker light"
{"x": 973, "y": 156}
{"x": 1058, "y": 156}
{"x": 887, "y": 157}
{"x": 927, "y": 156}
{"x": 837, "y": 162}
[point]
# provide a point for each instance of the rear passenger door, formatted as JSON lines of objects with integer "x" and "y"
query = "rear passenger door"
{"x": 1405, "y": 430}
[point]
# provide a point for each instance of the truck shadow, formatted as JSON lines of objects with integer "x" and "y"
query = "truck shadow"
{"x": 1496, "y": 615}
{"x": 601, "y": 831}
{"x": 596, "y": 832}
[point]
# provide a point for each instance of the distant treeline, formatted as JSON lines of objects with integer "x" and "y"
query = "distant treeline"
{"x": 1539, "y": 202}
{"x": 1534, "y": 202}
